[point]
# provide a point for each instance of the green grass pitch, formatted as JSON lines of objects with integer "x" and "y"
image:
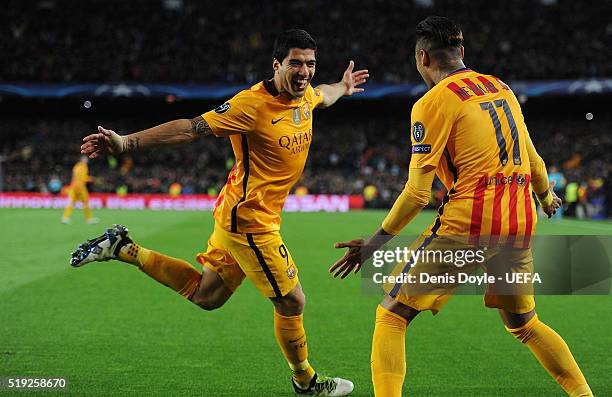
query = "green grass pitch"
{"x": 113, "y": 331}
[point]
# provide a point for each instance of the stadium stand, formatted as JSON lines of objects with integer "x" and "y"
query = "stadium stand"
{"x": 344, "y": 158}
{"x": 230, "y": 41}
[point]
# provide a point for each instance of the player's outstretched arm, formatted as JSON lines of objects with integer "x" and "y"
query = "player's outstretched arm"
{"x": 411, "y": 200}
{"x": 347, "y": 86}
{"x": 170, "y": 133}
{"x": 359, "y": 251}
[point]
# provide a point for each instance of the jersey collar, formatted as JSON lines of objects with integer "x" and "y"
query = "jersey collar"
{"x": 270, "y": 87}
{"x": 461, "y": 70}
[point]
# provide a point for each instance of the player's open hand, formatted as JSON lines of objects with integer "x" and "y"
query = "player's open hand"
{"x": 555, "y": 204}
{"x": 352, "y": 80}
{"x": 351, "y": 260}
{"x": 105, "y": 141}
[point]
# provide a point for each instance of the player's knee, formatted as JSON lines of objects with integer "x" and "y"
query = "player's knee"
{"x": 299, "y": 302}
{"x": 296, "y": 302}
{"x": 393, "y": 305}
{"x": 519, "y": 325}
{"x": 514, "y": 320}
{"x": 207, "y": 303}
{"x": 291, "y": 304}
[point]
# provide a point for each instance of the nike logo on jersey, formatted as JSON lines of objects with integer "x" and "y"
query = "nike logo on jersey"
{"x": 277, "y": 120}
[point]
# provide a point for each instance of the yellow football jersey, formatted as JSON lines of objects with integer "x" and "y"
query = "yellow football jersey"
{"x": 80, "y": 175}
{"x": 270, "y": 137}
{"x": 471, "y": 128}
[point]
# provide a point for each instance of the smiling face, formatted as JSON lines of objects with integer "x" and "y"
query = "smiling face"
{"x": 294, "y": 73}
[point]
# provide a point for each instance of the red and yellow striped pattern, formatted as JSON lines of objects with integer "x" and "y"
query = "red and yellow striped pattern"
{"x": 473, "y": 132}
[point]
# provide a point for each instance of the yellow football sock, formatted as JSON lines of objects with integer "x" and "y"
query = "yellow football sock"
{"x": 171, "y": 272}
{"x": 554, "y": 355}
{"x": 291, "y": 337}
{"x": 68, "y": 211}
{"x": 87, "y": 211}
{"x": 388, "y": 353}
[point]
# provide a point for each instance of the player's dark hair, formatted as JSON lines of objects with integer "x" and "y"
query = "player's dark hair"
{"x": 292, "y": 38}
{"x": 440, "y": 37}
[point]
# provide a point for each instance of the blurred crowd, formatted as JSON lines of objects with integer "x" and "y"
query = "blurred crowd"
{"x": 369, "y": 157}
{"x": 205, "y": 41}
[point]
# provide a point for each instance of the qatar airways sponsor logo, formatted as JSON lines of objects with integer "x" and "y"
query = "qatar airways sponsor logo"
{"x": 296, "y": 143}
{"x": 500, "y": 179}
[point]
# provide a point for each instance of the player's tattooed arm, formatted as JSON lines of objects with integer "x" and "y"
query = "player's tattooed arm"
{"x": 199, "y": 126}
{"x": 171, "y": 133}
{"x": 132, "y": 143}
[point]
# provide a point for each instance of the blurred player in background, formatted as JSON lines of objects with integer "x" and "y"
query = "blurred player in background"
{"x": 270, "y": 129}
{"x": 469, "y": 130}
{"x": 78, "y": 191}
{"x": 555, "y": 175}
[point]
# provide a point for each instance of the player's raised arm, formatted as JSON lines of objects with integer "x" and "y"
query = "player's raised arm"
{"x": 347, "y": 86}
{"x": 170, "y": 133}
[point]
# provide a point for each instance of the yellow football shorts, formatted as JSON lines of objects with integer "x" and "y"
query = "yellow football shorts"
{"x": 432, "y": 277}
{"x": 262, "y": 257}
{"x": 78, "y": 194}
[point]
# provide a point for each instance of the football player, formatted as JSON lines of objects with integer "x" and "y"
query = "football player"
{"x": 270, "y": 129}
{"x": 469, "y": 130}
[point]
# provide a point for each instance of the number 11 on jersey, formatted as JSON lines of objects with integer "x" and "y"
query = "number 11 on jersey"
{"x": 501, "y": 141}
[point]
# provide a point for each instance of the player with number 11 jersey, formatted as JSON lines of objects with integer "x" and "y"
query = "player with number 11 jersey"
{"x": 468, "y": 130}
{"x": 473, "y": 122}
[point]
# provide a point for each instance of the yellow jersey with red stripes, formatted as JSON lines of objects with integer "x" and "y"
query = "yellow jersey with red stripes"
{"x": 270, "y": 137}
{"x": 80, "y": 176}
{"x": 470, "y": 127}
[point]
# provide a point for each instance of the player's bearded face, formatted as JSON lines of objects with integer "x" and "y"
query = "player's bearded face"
{"x": 296, "y": 71}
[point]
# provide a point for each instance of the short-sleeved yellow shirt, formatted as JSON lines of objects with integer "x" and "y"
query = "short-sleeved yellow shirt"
{"x": 270, "y": 137}
{"x": 80, "y": 176}
{"x": 470, "y": 127}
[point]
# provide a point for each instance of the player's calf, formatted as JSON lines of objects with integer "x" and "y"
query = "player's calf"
{"x": 551, "y": 351}
{"x": 212, "y": 292}
{"x": 388, "y": 359}
{"x": 291, "y": 337}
